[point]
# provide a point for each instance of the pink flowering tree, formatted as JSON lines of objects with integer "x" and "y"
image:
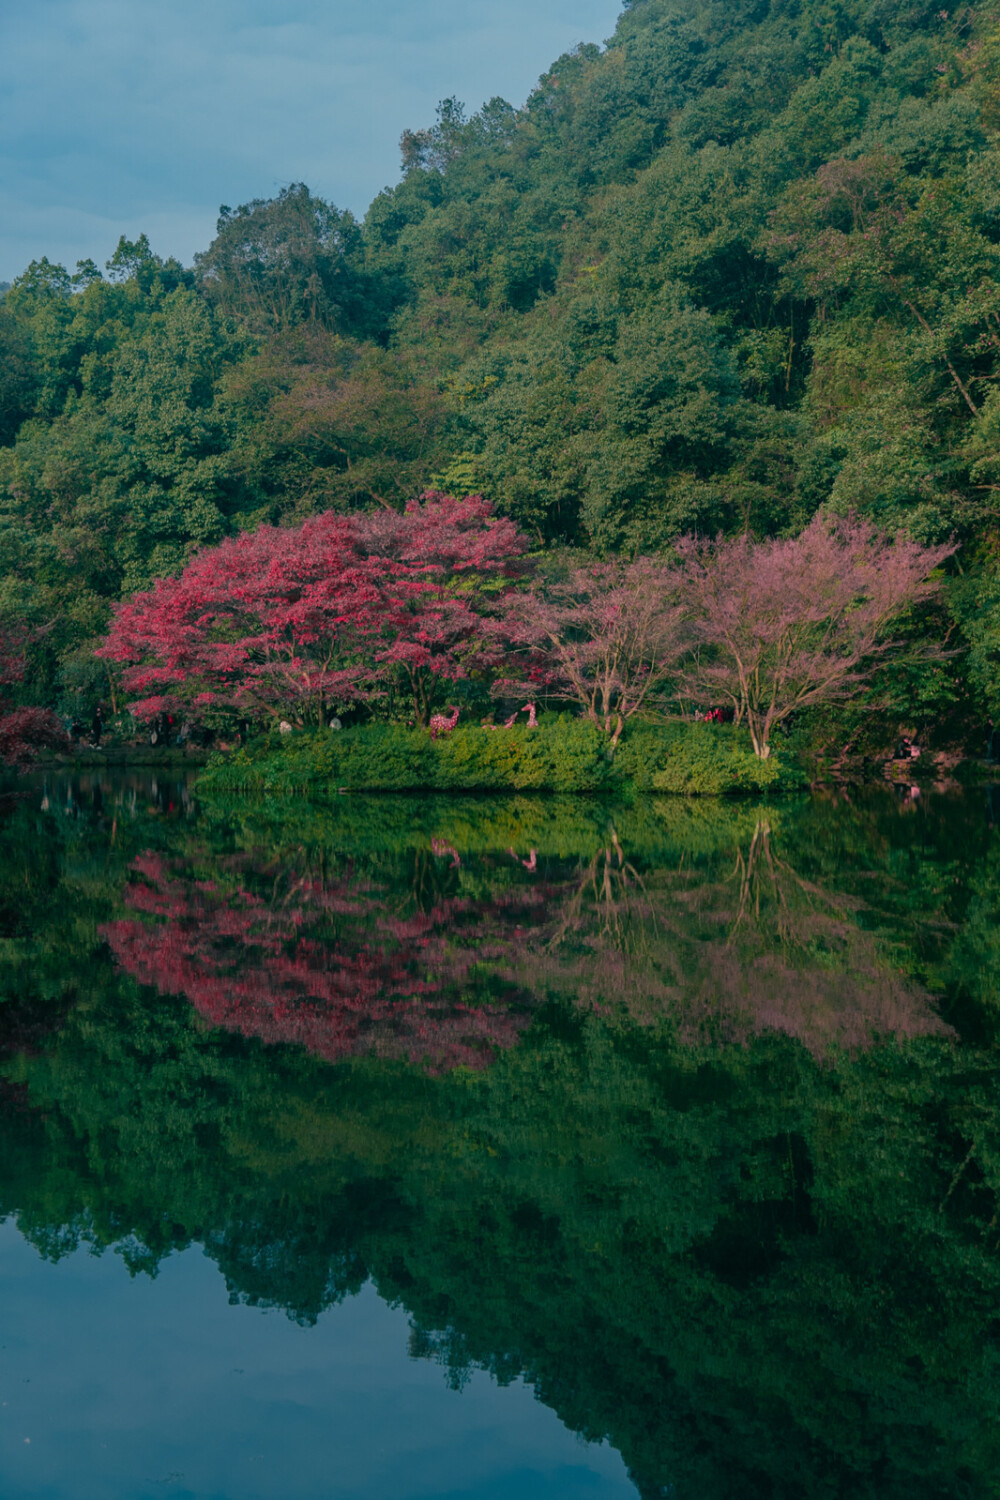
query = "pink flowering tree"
{"x": 780, "y": 625}
{"x": 606, "y": 638}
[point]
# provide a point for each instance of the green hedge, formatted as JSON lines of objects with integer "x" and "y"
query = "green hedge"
{"x": 717, "y": 760}
{"x": 568, "y": 756}
{"x": 563, "y": 754}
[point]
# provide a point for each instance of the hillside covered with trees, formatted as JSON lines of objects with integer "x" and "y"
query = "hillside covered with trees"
{"x": 739, "y": 265}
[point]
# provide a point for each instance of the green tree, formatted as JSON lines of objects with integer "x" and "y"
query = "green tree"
{"x": 281, "y": 261}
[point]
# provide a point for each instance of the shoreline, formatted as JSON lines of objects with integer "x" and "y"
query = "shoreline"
{"x": 119, "y": 756}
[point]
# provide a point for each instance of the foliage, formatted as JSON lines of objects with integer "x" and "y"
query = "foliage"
{"x": 604, "y": 639}
{"x": 23, "y": 731}
{"x": 561, "y": 755}
{"x": 709, "y": 761}
{"x": 459, "y": 560}
{"x": 296, "y": 619}
{"x": 292, "y": 259}
{"x": 319, "y": 420}
{"x": 293, "y": 620}
{"x": 779, "y": 626}
{"x": 979, "y": 607}
{"x": 568, "y": 756}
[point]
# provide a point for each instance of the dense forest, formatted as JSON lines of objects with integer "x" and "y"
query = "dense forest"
{"x": 737, "y": 266}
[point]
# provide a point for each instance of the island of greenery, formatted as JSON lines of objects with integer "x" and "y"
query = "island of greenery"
{"x": 667, "y": 397}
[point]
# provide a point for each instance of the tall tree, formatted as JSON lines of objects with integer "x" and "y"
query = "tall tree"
{"x": 282, "y": 261}
{"x": 320, "y": 421}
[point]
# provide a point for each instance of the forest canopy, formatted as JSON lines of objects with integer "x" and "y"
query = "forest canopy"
{"x": 738, "y": 265}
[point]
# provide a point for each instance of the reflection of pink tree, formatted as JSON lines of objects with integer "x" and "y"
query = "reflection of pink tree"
{"x": 396, "y": 986}
{"x": 731, "y": 955}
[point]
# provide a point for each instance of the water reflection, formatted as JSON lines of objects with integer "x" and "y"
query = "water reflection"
{"x": 736, "y": 942}
{"x": 686, "y": 1113}
{"x": 341, "y": 964}
{"x": 438, "y": 949}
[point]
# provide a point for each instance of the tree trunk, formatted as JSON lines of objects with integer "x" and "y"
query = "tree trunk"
{"x": 421, "y": 700}
{"x": 760, "y": 746}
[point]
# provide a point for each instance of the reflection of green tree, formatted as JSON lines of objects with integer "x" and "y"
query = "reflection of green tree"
{"x": 758, "y": 1273}
{"x": 973, "y": 965}
{"x": 64, "y": 849}
{"x": 755, "y": 1274}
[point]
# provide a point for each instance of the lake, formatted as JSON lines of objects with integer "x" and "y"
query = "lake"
{"x": 483, "y": 1148}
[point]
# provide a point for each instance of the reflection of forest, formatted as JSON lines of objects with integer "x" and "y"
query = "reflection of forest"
{"x": 438, "y": 955}
{"x": 758, "y": 1271}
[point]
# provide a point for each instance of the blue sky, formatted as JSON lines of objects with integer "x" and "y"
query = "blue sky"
{"x": 123, "y": 116}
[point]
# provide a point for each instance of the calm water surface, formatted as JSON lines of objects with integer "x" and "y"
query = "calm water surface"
{"x": 497, "y": 1148}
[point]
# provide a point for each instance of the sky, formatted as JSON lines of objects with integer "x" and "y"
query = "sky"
{"x": 143, "y": 116}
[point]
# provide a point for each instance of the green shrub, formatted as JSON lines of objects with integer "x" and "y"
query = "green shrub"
{"x": 563, "y": 754}
{"x": 568, "y": 755}
{"x": 642, "y": 750}
{"x": 714, "y": 760}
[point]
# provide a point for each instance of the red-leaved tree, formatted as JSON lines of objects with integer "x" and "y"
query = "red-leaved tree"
{"x": 466, "y": 560}
{"x": 288, "y": 620}
{"x": 777, "y": 626}
{"x": 23, "y": 731}
{"x": 272, "y": 621}
{"x": 605, "y": 638}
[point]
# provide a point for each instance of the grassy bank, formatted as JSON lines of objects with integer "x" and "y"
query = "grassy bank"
{"x": 560, "y": 755}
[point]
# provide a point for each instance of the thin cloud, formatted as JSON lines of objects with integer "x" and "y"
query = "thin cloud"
{"x": 124, "y": 115}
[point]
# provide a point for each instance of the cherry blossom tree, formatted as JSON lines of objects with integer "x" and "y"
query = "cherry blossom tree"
{"x": 605, "y": 638}
{"x": 780, "y": 625}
